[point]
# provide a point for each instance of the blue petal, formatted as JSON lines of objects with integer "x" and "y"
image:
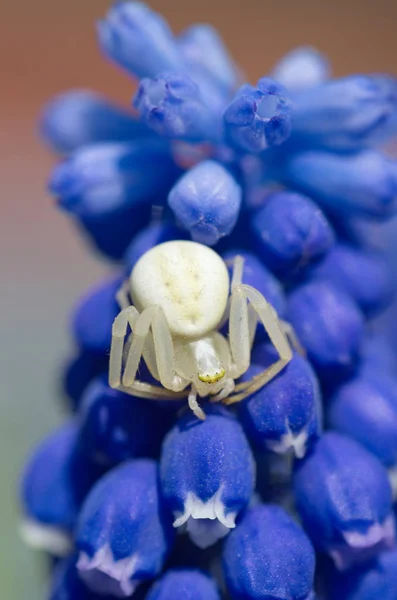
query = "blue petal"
{"x": 347, "y": 114}
{"x": 284, "y": 415}
{"x": 117, "y": 426}
{"x": 207, "y": 472}
{"x": 290, "y": 232}
{"x": 363, "y": 184}
{"x": 343, "y": 497}
{"x": 365, "y": 408}
{"x": 329, "y": 326}
{"x": 138, "y": 39}
{"x": 174, "y": 106}
{"x": 204, "y": 51}
{"x": 258, "y": 118}
{"x": 206, "y": 200}
{"x": 79, "y": 118}
{"x": 364, "y": 274}
{"x": 79, "y": 371}
{"x": 100, "y": 180}
{"x": 268, "y": 557}
{"x": 184, "y": 584}
{"x": 302, "y": 68}
{"x": 123, "y": 535}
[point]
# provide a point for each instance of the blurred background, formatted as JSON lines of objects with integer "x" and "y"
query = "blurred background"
{"x": 47, "y": 46}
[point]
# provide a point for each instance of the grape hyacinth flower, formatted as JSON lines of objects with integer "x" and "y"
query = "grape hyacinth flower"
{"x": 268, "y": 556}
{"x": 207, "y": 474}
{"x": 292, "y": 175}
{"x": 124, "y": 534}
{"x": 343, "y": 497}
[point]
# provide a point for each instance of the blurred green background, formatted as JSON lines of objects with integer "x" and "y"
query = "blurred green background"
{"x": 47, "y": 46}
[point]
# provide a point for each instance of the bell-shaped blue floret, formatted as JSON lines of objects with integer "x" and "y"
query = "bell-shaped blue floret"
{"x": 116, "y": 426}
{"x": 124, "y": 533}
{"x": 302, "y": 69}
{"x": 291, "y": 232}
{"x": 268, "y": 557}
{"x": 344, "y": 500}
{"x": 207, "y": 474}
{"x": 285, "y": 414}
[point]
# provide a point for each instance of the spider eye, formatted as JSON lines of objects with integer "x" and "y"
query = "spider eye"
{"x": 212, "y": 377}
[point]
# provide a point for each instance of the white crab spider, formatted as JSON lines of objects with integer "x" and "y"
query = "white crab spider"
{"x": 180, "y": 295}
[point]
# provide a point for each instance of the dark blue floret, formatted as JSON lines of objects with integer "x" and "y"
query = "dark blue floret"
{"x": 93, "y": 317}
{"x": 54, "y": 484}
{"x": 284, "y": 415}
{"x": 328, "y": 324}
{"x": 364, "y": 274}
{"x": 79, "y": 372}
{"x": 365, "y": 408}
{"x": 268, "y": 557}
{"x": 186, "y": 584}
{"x": 124, "y": 533}
{"x": 291, "y": 232}
{"x": 207, "y": 473}
{"x": 116, "y": 426}
{"x": 343, "y": 497}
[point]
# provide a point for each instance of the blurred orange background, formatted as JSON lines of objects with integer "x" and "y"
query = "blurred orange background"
{"x": 47, "y": 46}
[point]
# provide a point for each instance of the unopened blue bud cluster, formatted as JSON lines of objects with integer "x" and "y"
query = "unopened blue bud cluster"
{"x": 140, "y": 499}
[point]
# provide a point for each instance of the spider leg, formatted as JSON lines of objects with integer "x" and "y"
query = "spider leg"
{"x": 127, "y": 317}
{"x": 292, "y": 337}
{"x": 194, "y": 405}
{"x": 268, "y": 316}
{"x": 122, "y": 295}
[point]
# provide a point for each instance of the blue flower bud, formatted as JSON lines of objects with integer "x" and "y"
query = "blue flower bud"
{"x": 363, "y": 184}
{"x": 55, "y": 482}
{"x": 258, "y": 118}
{"x": 123, "y": 534}
{"x": 346, "y": 114}
{"x": 268, "y": 557}
{"x": 80, "y": 118}
{"x": 93, "y": 317}
{"x": 204, "y": 51}
{"x": 343, "y": 497}
{"x": 103, "y": 179}
{"x": 259, "y": 277}
{"x": 79, "y": 372}
{"x": 290, "y": 232}
{"x": 329, "y": 325}
{"x": 174, "y": 106}
{"x": 154, "y": 234}
{"x": 284, "y": 415}
{"x": 373, "y": 580}
{"x": 138, "y": 39}
{"x": 207, "y": 474}
{"x": 206, "y": 200}
{"x": 184, "y": 584}
{"x": 301, "y": 69}
{"x": 117, "y": 426}
{"x": 365, "y": 408}
{"x": 364, "y": 274}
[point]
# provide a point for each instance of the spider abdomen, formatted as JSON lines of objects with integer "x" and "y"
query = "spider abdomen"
{"x": 188, "y": 280}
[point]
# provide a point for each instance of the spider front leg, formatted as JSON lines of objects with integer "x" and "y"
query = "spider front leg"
{"x": 140, "y": 325}
{"x": 240, "y": 336}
